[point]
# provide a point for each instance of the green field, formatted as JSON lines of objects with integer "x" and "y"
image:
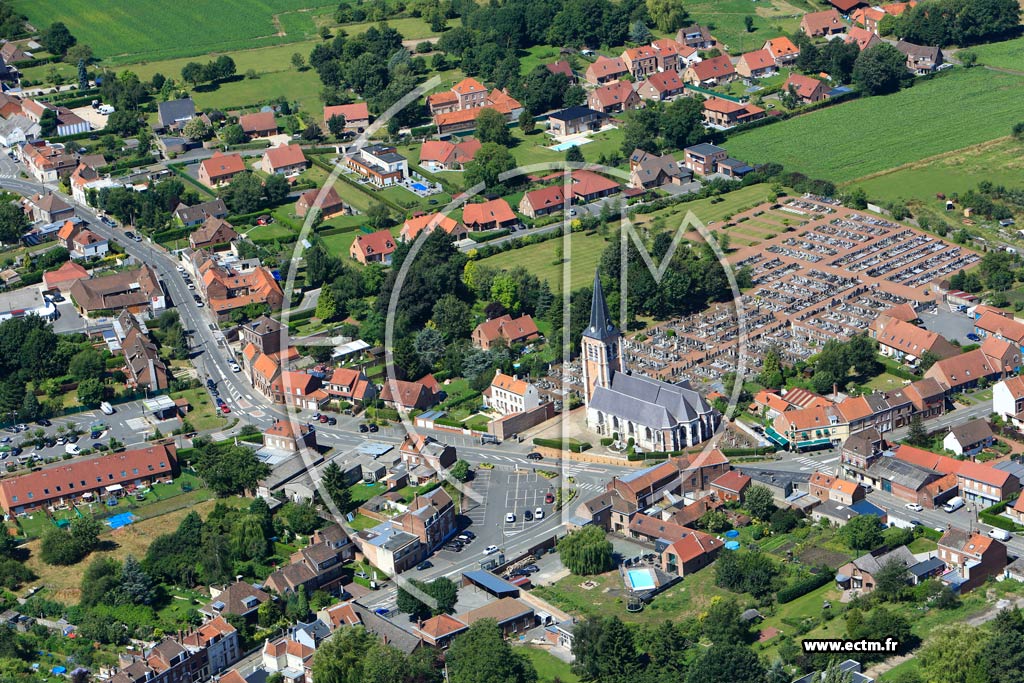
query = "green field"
{"x": 725, "y": 18}
{"x": 708, "y": 211}
{"x": 1008, "y": 54}
{"x": 121, "y": 32}
{"x": 954, "y": 172}
{"x": 539, "y": 259}
{"x": 549, "y": 667}
{"x": 853, "y": 140}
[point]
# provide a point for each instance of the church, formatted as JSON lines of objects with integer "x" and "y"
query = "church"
{"x": 658, "y": 416}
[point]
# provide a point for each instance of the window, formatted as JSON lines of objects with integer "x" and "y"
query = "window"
{"x": 14, "y": 499}
{"x": 46, "y": 491}
{"x": 31, "y": 495}
{"x": 135, "y": 470}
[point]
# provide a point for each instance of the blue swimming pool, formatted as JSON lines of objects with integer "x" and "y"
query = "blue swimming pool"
{"x": 563, "y": 146}
{"x": 420, "y": 187}
{"x": 640, "y": 579}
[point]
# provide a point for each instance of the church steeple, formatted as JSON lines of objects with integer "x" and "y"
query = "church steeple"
{"x": 600, "y": 326}
{"x": 601, "y": 345}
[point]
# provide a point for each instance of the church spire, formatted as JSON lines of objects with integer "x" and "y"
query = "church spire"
{"x": 600, "y": 325}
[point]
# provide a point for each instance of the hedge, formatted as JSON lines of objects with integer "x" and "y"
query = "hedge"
{"x": 488, "y": 236}
{"x": 565, "y": 445}
{"x": 170, "y": 235}
{"x": 993, "y": 517}
{"x": 132, "y": 162}
{"x": 738, "y": 452}
{"x": 801, "y": 588}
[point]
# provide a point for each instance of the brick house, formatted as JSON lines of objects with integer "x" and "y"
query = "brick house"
{"x": 430, "y": 517}
{"x": 546, "y": 200}
{"x": 722, "y": 113}
{"x": 259, "y": 125}
{"x": 495, "y": 214}
{"x": 710, "y": 72}
{"x": 213, "y": 233}
{"x": 330, "y": 205}
{"x": 782, "y": 50}
{"x": 512, "y": 330}
{"x": 284, "y": 160}
{"x": 357, "y": 116}
{"x": 284, "y": 435}
{"x": 820, "y": 24}
{"x": 807, "y": 90}
{"x": 641, "y": 61}
{"x": 756, "y": 64}
{"x": 703, "y": 159}
{"x": 614, "y": 97}
{"x": 662, "y": 86}
{"x": 605, "y": 70}
{"x": 731, "y": 486}
{"x": 376, "y": 247}
{"x": 220, "y": 169}
{"x": 971, "y": 558}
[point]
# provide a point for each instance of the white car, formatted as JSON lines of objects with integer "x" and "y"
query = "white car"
{"x": 199, "y": 304}
{"x": 914, "y": 506}
{"x": 538, "y": 514}
{"x": 235, "y": 367}
{"x": 191, "y": 285}
{"x": 510, "y": 518}
{"x": 490, "y": 550}
{"x": 72, "y": 449}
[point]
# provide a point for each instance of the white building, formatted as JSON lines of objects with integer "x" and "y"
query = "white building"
{"x": 512, "y": 395}
{"x": 1008, "y": 400}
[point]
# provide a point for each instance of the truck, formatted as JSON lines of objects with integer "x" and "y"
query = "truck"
{"x": 953, "y": 504}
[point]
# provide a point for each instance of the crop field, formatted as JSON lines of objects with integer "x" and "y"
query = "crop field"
{"x": 953, "y": 172}
{"x": 726, "y": 18}
{"x": 540, "y": 260}
{"x": 121, "y": 32}
{"x": 873, "y": 134}
{"x": 1008, "y": 54}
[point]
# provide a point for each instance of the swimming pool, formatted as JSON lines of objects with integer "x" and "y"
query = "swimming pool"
{"x": 640, "y": 579}
{"x": 420, "y": 187}
{"x": 561, "y": 147}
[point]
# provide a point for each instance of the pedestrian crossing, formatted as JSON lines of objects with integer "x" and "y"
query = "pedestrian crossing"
{"x": 811, "y": 464}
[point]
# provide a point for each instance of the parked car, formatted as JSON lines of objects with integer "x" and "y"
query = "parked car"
{"x": 538, "y": 514}
{"x": 914, "y": 506}
{"x": 468, "y": 534}
{"x": 510, "y": 518}
{"x": 534, "y": 456}
{"x": 374, "y": 428}
{"x": 549, "y": 498}
{"x": 490, "y": 550}
{"x": 425, "y": 564}
{"x": 464, "y": 538}
{"x": 323, "y": 419}
{"x": 332, "y": 421}
{"x": 531, "y": 569}
{"x": 527, "y": 516}
{"x": 973, "y": 337}
{"x": 72, "y": 449}
{"x": 225, "y": 409}
{"x": 363, "y": 428}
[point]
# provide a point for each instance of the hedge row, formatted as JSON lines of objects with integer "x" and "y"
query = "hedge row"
{"x": 993, "y": 517}
{"x": 561, "y": 444}
{"x": 801, "y": 588}
{"x": 487, "y": 236}
{"x": 738, "y": 452}
{"x": 132, "y": 162}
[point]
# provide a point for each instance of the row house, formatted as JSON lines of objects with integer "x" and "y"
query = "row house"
{"x": 999, "y": 326}
{"x": 673, "y": 55}
{"x": 426, "y": 451}
{"x": 318, "y": 566}
{"x": 613, "y": 98}
{"x": 47, "y": 162}
{"x": 976, "y": 482}
{"x": 641, "y": 61}
{"x": 971, "y": 558}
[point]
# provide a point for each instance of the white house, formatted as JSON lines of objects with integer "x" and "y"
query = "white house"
{"x": 512, "y": 395}
{"x": 1008, "y": 400}
{"x": 970, "y": 438}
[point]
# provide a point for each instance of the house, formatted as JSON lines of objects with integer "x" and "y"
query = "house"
{"x": 733, "y": 168}
{"x": 220, "y": 169}
{"x": 81, "y": 242}
{"x": 1003, "y": 354}
{"x": 220, "y": 641}
{"x": 970, "y": 438}
{"x": 863, "y": 37}
{"x": 606, "y": 69}
{"x": 921, "y": 59}
{"x": 977, "y": 482}
{"x": 90, "y": 478}
{"x": 439, "y": 631}
{"x": 963, "y": 371}
{"x": 356, "y": 115}
{"x": 614, "y": 97}
{"x": 62, "y": 278}
{"x": 670, "y": 54}
{"x": 730, "y": 486}
{"x": 695, "y": 36}
{"x": 495, "y": 214}
{"x": 328, "y": 203}
{"x": 284, "y": 160}
{"x": 289, "y": 658}
{"x": 511, "y": 330}
{"x": 710, "y": 72}
{"x": 418, "y": 395}
{"x": 641, "y": 61}
{"x": 993, "y": 324}
{"x": 807, "y": 90}
{"x": 194, "y": 215}
{"x": 390, "y": 549}
{"x": 510, "y": 395}
{"x": 443, "y": 155}
{"x": 586, "y": 186}
{"x": 562, "y": 67}
{"x": 511, "y": 615}
{"x": 13, "y": 52}
{"x": 381, "y": 164}
{"x": 846, "y": 6}
{"x": 859, "y": 575}
{"x": 431, "y": 222}
{"x": 820, "y": 24}
{"x": 86, "y": 178}
{"x": 420, "y": 451}
{"x": 47, "y": 163}
{"x": 136, "y": 290}
{"x": 542, "y": 202}
{"x": 971, "y": 558}
{"x": 318, "y": 566}
{"x": 868, "y": 17}
{"x": 648, "y": 170}
{"x": 17, "y": 129}
{"x": 464, "y": 117}
{"x": 782, "y": 50}
{"x": 907, "y": 342}
{"x": 174, "y": 114}
{"x": 722, "y": 113}
{"x": 575, "y": 120}
{"x": 289, "y": 436}
{"x": 259, "y": 125}
{"x": 142, "y": 365}
{"x": 376, "y": 247}
{"x": 350, "y": 385}
{"x": 214, "y": 232}
{"x": 430, "y": 517}
{"x": 703, "y": 159}
{"x": 48, "y": 208}
{"x": 226, "y": 289}
{"x": 1007, "y": 399}
{"x": 757, "y": 64}
{"x": 661, "y": 86}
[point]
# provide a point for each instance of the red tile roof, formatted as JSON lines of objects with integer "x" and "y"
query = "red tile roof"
{"x": 357, "y": 111}
{"x": 380, "y": 242}
{"x": 716, "y": 67}
{"x": 586, "y": 183}
{"x": 220, "y": 165}
{"x": 733, "y": 480}
{"x": 495, "y": 210}
{"x": 283, "y": 156}
{"x": 257, "y": 123}
{"x": 546, "y": 197}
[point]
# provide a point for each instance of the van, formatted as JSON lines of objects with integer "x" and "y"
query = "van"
{"x": 1000, "y": 534}
{"x": 107, "y": 408}
{"x": 953, "y": 504}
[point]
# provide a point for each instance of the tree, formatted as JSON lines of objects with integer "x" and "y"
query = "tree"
{"x": 586, "y": 551}
{"x": 244, "y": 194}
{"x": 641, "y": 131}
{"x": 667, "y": 15}
{"x": 222, "y": 68}
{"x": 723, "y": 625}
{"x": 451, "y": 317}
{"x": 13, "y": 223}
{"x": 336, "y": 487}
{"x": 228, "y": 469}
{"x": 100, "y": 582}
{"x": 726, "y": 663}
{"x": 430, "y": 346}
{"x": 195, "y": 129}
{"x": 862, "y": 533}
{"x": 1018, "y": 131}
{"x": 326, "y": 305}
{"x": 638, "y": 32}
{"x": 193, "y": 73}
{"x": 249, "y": 538}
{"x": 135, "y": 586}
{"x": 30, "y": 408}
{"x": 490, "y": 161}
{"x": 298, "y": 61}
{"x": 83, "y": 75}
{"x": 336, "y": 125}
{"x": 574, "y": 154}
{"x": 760, "y": 501}
{"x": 48, "y": 122}
{"x": 784, "y": 521}
{"x": 891, "y": 580}
{"x": 460, "y": 471}
{"x": 526, "y": 122}
{"x": 85, "y": 364}
{"x": 492, "y": 127}
{"x": 954, "y": 654}
{"x": 340, "y": 659}
{"x": 682, "y": 122}
{"x": 880, "y": 69}
{"x": 301, "y": 518}
{"x": 748, "y": 23}
{"x": 57, "y": 39}
{"x": 714, "y": 521}
{"x": 482, "y": 655}
{"x": 90, "y": 392}
{"x": 917, "y": 433}
{"x": 407, "y": 602}
{"x": 232, "y": 134}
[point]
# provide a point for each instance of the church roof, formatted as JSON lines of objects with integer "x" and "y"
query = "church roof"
{"x": 649, "y": 402}
{"x": 600, "y": 326}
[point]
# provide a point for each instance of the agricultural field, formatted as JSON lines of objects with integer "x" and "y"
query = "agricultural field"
{"x": 848, "y": 141}
{"x": 1008, "y": 54}
{"x": 121, "y": 33}
{"x": 949, "y": 173}
{"x": 540, "y": 260}
{"x": 726, "y": 18}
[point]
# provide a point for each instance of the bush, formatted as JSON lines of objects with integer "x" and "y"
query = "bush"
{"x": 586, "y": 551}
{"x": 804, "y": 586}
{"x": 565, "y": 445}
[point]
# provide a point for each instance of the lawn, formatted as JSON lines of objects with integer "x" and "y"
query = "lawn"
{"x": 726, "y": 18}
{"x": 539, "y": 259}
{"x": 844, "y": 142}
{"x": 1008, "y": 54}
{"x": 922, "y": 545}
{"x": 203, "y": 414}
{"x": 549, "y": 667}
{"x": 708, "y": 210}
{"x": 339, "y": 244}
{"x": 411, "y": 28}
{"x": 295, "y": 86}
{"x": 533, "y": 149}
{"x": 120, "y": 32}
{"x": 950, "y": 173}
{"x": 885, "y": 382}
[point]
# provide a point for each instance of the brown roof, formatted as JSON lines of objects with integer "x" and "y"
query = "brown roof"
{"x": 221, "y": 165}
{"x": 962, "y": 369}
{"x": 863, "y": 37}
{"x": 213, "y": 231}
{"x": 716, "y": 67}
{"x": 803, "y": 85}
{"x": 607, "y": 66}
{"x": 996, "y": 324}
{"x": 441, "y": 626}
{"x": 283, "y": 156}
{"x": 342, "y": 615}
{"x": 910, "y": 339}
{"x": 235, "y": 598}
{"x": 379, "y": 242}
{"x": 467, "y": 86}
{"x": 616, "y": 92}
{"x": 357, "y": 111}
{"x": 818, "y": 22}
{"x": 972, "y": 432}
{"x": 733, "y": 480}
{"x": 501, "y": 611}
{"x": 121, "y": 290}
{"x": 258, "y": 123}
{"x": 693, "y": 544}
{"x": 287, "y": 428}
{"x": 445, "y": 152}
{"x": 495, "y": 210}
{"x": 665, "y": 81}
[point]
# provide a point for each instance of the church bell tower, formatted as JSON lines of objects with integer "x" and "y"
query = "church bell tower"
{"x": 601, "y": 353}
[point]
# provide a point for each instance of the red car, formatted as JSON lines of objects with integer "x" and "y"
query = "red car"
{"x": 323, "y": 419}
{"x": 224, "y": 408}
{"x": 549, "y": 498}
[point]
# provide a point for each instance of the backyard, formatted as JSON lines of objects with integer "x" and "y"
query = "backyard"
{"x": 540, "y": 260}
